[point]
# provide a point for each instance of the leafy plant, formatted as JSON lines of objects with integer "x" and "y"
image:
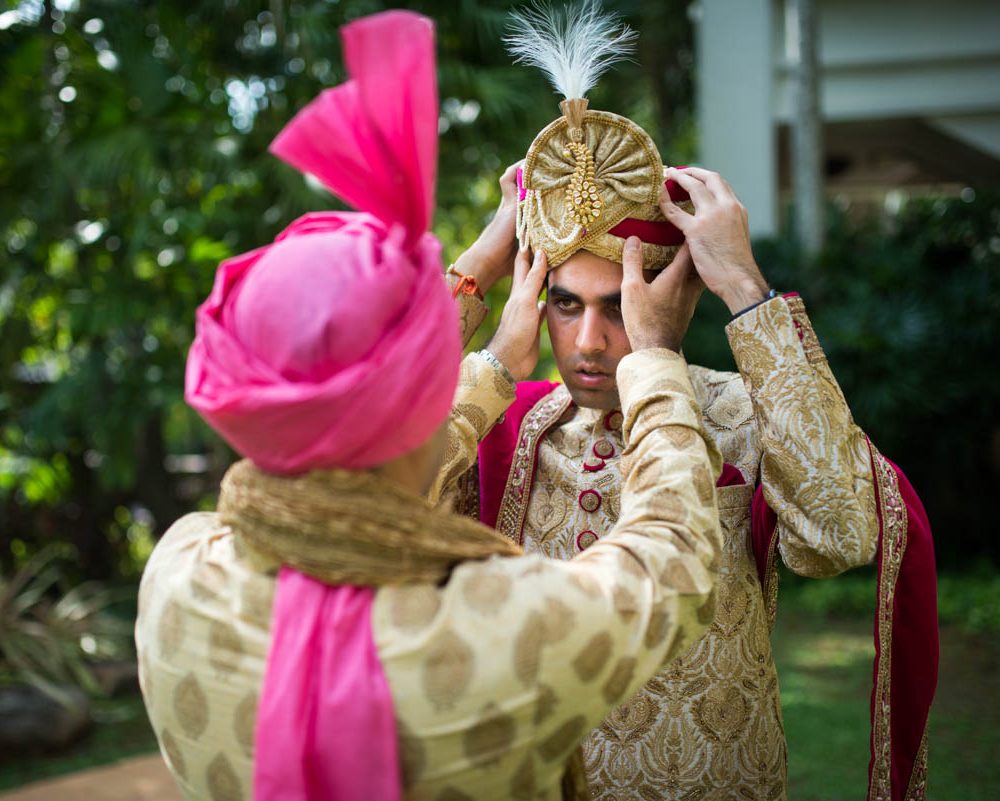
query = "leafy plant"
{"x": 133, "y": 158}
{"x": 51, "y": 635}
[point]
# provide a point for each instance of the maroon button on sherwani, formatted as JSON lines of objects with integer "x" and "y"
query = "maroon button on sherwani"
{"x": 590, "y": 500}
{"x": 603, "y": 449}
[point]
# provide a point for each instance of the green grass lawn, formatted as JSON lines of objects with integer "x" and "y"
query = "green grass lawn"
{"x": 824, "y": 665}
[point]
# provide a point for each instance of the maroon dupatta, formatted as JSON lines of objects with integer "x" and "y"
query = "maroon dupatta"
{"x": 904, "y": 675}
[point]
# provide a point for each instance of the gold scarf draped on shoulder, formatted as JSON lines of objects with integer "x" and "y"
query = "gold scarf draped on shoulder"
{"x": 350, "y": 527}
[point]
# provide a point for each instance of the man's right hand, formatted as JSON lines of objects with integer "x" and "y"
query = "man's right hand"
{"x": 657, "y": 314}
{"x": 515, "y": 343}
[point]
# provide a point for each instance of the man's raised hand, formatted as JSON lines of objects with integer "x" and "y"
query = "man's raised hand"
{"x": 656, "y": 314}
{"x": 515, "y": 343}
{"x": 491, "y": 256}
{"x": 718, "y": 235}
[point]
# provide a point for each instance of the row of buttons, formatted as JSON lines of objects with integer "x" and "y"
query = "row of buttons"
{"x": 590, "y": 499}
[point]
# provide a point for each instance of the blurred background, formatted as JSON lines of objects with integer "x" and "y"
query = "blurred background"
{"x": 864, "y": 138}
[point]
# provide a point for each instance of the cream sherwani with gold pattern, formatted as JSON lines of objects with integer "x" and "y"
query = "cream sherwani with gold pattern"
{"x": 709, "y": 726}
{"x": 498, "y": 673}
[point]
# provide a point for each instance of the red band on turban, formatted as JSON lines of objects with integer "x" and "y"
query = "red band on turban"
{"x": 655, "y": 232}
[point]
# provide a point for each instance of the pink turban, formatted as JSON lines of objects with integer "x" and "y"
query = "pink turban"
{"x": 338, "y": 344}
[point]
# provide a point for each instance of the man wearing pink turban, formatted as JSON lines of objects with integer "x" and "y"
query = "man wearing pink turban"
{"x": 328, "y": 633}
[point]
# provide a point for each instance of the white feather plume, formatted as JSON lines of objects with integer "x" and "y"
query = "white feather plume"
{"x": 573, "y": 45}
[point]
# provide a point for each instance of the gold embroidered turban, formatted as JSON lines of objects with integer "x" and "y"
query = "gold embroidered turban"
{"x": 591, "y": 179}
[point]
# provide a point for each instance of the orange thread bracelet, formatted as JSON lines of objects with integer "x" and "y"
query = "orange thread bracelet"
{"x": 467, "y": 284}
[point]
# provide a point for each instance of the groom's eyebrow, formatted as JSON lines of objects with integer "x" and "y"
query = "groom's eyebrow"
{"x": 557, "y": 292}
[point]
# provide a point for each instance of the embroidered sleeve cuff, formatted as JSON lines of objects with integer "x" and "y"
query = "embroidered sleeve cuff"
{"x": 779, "y": 326}
{"x": 484, "y": 393}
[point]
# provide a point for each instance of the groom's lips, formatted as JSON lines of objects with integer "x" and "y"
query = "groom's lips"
{"x": 591, "y": 376}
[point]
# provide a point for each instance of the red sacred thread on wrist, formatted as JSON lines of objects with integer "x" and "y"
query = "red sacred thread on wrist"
{"x": 466, "y": 285}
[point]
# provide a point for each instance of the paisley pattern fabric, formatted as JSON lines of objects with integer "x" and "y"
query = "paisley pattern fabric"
{"x": 710, "y": 725}
{"x": 815, "y": 464}
{"x": 498, "y": 673}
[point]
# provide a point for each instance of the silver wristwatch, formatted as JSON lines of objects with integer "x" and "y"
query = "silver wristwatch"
{"x": 492, "y": 359}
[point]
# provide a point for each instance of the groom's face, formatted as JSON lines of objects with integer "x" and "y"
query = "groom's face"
{"x": 588, "y": 337}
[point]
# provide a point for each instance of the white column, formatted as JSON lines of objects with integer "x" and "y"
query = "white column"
{"x": 734, "y": 41}
{"x": 802, "y": 23}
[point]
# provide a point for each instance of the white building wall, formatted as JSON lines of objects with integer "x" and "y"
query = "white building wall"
{"x": 735, "y": 83}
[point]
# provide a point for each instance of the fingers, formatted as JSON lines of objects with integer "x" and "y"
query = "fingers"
{"x": 535, "y": 279}
{"x": 674, "y": 213}
{"x": 632, "y": 260}
{"x": 508, "y": 181}
{"x": 699, "y": 192}
{"x": 682, "y": 260}
{"x": 522, "y": 264}
{"x": 718, "y": 185}
{"x": 678, "y": 270}
{"x": 687, "y": 266}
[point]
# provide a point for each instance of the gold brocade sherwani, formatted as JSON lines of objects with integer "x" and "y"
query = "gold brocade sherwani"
{"x": 709, "y": 726}
{"x": 496, "y": 672}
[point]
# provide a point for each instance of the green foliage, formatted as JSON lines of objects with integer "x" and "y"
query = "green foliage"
{"x": 50, "y": 633}
{"x": 848, "y": 596}
{"x": 121, "y": 729}
{"x": 969, "y": 600}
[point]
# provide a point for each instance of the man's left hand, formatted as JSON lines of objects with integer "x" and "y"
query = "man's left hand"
{"x": 718, "y": 235}
{"x": 656, "y": 312}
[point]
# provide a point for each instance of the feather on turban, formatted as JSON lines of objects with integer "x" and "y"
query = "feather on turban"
{"x": 591, "y": 179}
